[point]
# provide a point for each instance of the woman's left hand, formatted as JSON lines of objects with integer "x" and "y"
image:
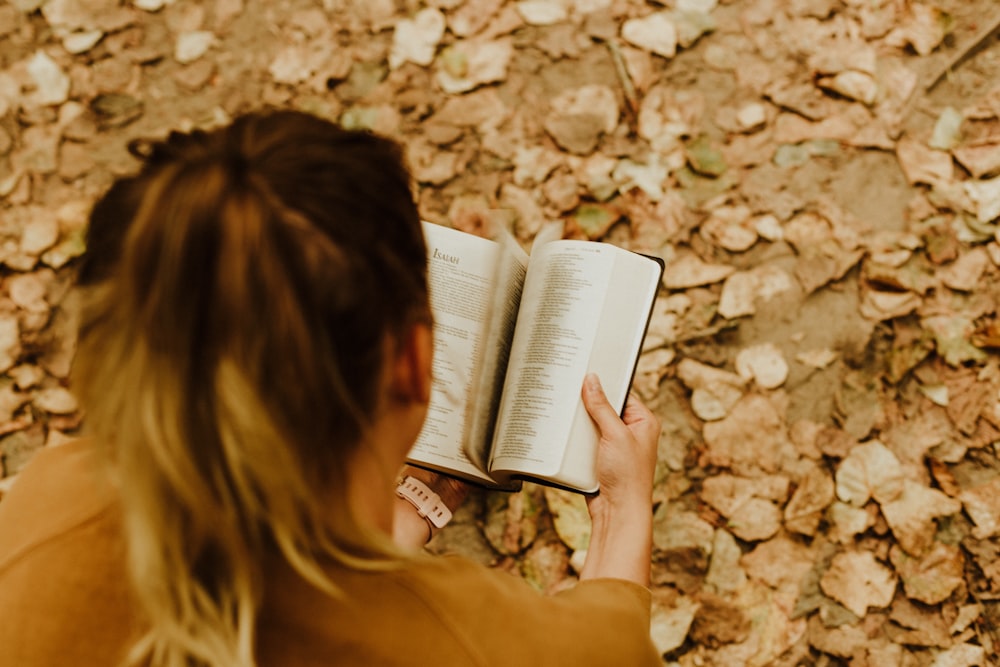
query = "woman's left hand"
{"x": 409, "y": 529}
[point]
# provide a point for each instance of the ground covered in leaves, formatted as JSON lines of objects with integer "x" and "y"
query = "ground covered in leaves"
{"x": 821, "y": 177}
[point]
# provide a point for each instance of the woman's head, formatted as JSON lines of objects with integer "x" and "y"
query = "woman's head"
{"x": 239, "y": 294}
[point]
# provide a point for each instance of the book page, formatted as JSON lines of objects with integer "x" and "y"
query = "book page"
{"x": 461, "y": 271}
{"x": 484, "y": 403}
{"x": 617, "y": 345}
{"x": 560, "y": 309}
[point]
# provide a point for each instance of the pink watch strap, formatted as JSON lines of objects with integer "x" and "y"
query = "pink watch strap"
{"x": 429, "y": 504}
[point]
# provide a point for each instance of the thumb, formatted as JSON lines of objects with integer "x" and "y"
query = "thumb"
{"x": 600, "y": 410}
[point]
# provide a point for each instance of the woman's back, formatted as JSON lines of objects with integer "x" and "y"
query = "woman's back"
{"x": 65, "y": 600}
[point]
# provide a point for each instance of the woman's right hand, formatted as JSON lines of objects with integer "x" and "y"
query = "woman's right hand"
{"x": 621, "y": 511}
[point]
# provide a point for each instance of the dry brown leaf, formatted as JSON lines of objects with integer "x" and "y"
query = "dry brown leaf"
{"x": 669, "y": 624}
{"x": 911, "y": 515}
{"x": 656, "y": 33}
{"x": 764, "y": 364}
{"x": 805, "y": 509}
{"x": 922, "y": 164}
{"x": 416, "y": 39}
{"x": 688, "y": 270}
{"x": 751, "y": 438}
{"x": 471, "y": 63}
{"x": 848, "y": 522}
{"x": 858, "y": 581}
{"x": 982, "y": 504}
{"x": 965, "y": 273}
{"x": 57, "y": 400}
{"x": 934, "y": 576}
{"x": 724, "y": 571}
{"x": 871, "y": 470}
{"x": 580, "y": 117}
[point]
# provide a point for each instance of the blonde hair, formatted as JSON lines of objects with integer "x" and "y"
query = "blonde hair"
{"x": 238, "y": 292}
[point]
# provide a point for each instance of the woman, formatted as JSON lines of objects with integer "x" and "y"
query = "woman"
{"x": 254, "y": 358}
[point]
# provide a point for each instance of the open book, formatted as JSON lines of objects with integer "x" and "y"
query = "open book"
{"x": 514, "y": 336}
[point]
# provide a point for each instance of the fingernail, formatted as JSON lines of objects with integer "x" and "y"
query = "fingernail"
{"x": 592, "y": 382}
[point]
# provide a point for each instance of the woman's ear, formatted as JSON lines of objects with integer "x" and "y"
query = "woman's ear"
{"x": 412, "y": 366}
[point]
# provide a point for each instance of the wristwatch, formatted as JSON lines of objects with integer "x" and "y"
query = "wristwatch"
{"x": 429, "y": 504}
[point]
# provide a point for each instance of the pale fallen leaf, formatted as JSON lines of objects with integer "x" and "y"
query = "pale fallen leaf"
{"x": 192, "y": 45}
{"x": 936, "y": 393}
{"x": 947, "y": 130}
{"x": 472, "y": 16}
{"x": 688, "y": 270}
{"x": 986, "y": 196}
{"x": 764, "y": 364}
{"x": 468, "y": 64}
{"x": 922, "y": 164}
{"x": 858, "y": 581}
{"x": 57, "y": 400}
{"x": 860, "y": 86}
{"x": 669, "y": 625}
{"x": 751, "y": 116}
{"x": 819, "y": 358}
{"x": 10, "y": 341}
{"x": 751, "y": 438}
{"x": 655, "y": 33}
{"x": 569, "y": 516}
{"x": 152, "y": 5}
{"x": 965, "y": 273}
{"x": 967, "y": 613}
{"x": 649, "y": 177}
{"x": 533, "y": 164}
{"x": 650, "y": 370}
{"x": 885, "y": 305}
{"x": 26, "y": 376}
{"x": 724, "y": 571}
{"x": 541, "y": 12}
{"x": 416, "y": 39}
{"x": 982, "y": 504}
{"x": 924, "y": 27}
{"x": 934, "y": 576}
{"x": 815, "y": 492}
{"x": 846, "y": 522}
{"x": 51, "y": 83}
{"x": 756, "y": 520}
{"x": 580, "y": 116}
{"x": 27, "y": 290}
{"x": 911, "y": 515}
{"x": 780, "y": 563}
{"x": 729, "y": 228}
{"x": 82, "y": 41}
{"x": 961, "y": 655}
{"x": 870, "y": 470}
{"x": 982, "y": 160}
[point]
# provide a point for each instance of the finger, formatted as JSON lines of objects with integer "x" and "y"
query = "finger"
{"x": 600, "y": 410}
{"x": 636, "y": 410}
